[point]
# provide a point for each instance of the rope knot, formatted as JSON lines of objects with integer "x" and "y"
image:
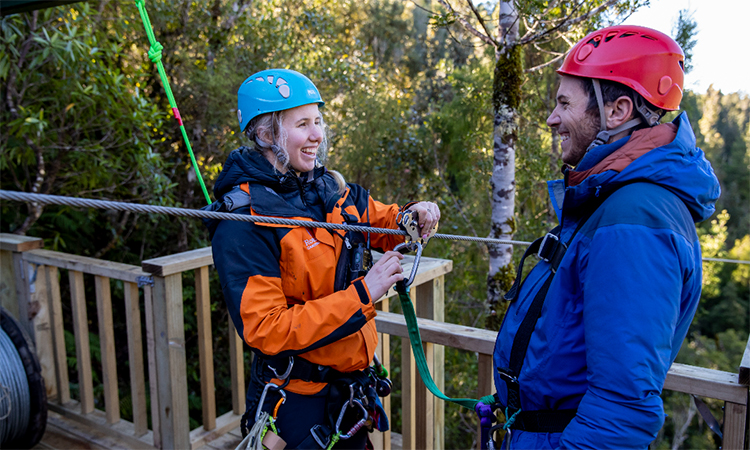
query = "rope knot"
{"x": 154, "y": 53}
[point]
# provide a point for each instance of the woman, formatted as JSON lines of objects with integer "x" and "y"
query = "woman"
{"x": 302, "y": 298}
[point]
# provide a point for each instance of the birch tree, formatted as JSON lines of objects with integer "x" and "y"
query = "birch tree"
{"x": 521, "y": 24}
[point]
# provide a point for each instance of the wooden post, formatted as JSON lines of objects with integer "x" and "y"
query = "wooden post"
{"x": 430, "y": 303}
{"x": 408, "y": 392}
{"x": 58, "y": 336}
{"x": 237, "y": 363}
{"x": 107, "y": 348}
{"x": 153, "y": 374}
{"x": 81, "y": 331}
{"x": 169, "y": 352}
{"x": 382, "y": 441}
{"x": 205, "y": 348}
{"x": 735, "y": 416}
{"x": 485, "y": 385}
{"x": 11, "y": 294}
{"x": 135, "y": 357}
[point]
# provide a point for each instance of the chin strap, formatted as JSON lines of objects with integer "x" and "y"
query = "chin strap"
{"x": 604, "y": 134}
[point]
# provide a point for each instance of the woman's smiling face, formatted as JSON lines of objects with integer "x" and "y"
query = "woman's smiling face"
{"x": 304, "y": 132}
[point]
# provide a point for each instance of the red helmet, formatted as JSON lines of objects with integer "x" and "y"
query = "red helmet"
{"x": 646, "y": 60}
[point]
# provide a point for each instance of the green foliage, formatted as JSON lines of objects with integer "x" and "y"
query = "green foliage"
{"x": 684, "y": 33}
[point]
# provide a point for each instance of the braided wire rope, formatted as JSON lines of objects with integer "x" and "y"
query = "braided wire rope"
{"x": 202, "y": 214}
{"x": 15, "y": 398}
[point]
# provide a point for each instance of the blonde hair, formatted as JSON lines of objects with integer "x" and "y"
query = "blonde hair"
{"x": 271, "y": 124}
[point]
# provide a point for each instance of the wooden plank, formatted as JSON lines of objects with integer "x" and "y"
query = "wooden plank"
{"x": 84, "y": 264}
{"x": 745, "y": 366}
{"x": 83, "y": 351}
{"x": 735, "y": 417}
{"x": 135, "y": 359}
{"x": 447, "y": 334}
{"x": 17, "y": 243}
{"x": 237, "y": 369}
{"x": 107, "y": 348}
{"x": 58, "y": 335}
{"x": 224, "y": 424}
{"x": 706, "y": 383}
{"x": 153, "y": 375}
{"x": 169, "y": 340}
{"x": 59, "y": 434}
{"x": 94, "y": 428}
{"x": 205, "y": 348}
{"x": 485, "y": 385}
{"x": 181, "y": 262}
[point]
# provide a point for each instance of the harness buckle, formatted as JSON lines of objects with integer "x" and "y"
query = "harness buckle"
{"x": 551, "y": 250}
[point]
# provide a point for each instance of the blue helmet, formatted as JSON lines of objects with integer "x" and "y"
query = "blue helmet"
{"x": 274, "y": 90}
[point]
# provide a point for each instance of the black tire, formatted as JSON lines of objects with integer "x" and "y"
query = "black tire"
{"x": 37, "y": 390}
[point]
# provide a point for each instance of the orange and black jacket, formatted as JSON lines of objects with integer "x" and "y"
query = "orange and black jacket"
{"x": 278, "y": 280}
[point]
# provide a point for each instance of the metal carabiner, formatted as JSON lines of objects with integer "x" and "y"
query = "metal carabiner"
{"x": 406, "y": 247}
{"x": 354, "y": 428}
{"x": 286, "y": 373}
{"x": 408, "y": 221}
{"x": 268, "y": 386}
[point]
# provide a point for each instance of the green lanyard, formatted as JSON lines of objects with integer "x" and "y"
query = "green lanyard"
{"x": 419, "y": 358}
{"x": 154, "y": 53}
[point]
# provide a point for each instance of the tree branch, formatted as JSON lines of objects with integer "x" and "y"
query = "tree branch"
{"x": 35, "y": 209}
{"x": 567, "y": 22}
{"x": 465, "y": 23}
{"x": 481, "y": 21}
{"x": 543, "y": 65}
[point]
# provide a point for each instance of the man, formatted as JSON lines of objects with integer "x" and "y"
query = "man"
{"x": 585, "y": 347}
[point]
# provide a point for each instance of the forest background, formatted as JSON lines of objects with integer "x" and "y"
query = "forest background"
{"x": 408, "y": 95}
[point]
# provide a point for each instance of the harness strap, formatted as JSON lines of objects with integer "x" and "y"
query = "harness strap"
{"x": 543, "y": 421}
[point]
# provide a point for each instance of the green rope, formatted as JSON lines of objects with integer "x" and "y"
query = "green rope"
{"x": 419, "y": 358}
{"x": 154, "y": 54}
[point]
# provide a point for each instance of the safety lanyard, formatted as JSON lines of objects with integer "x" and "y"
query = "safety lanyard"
{"x": 154, "y": 53}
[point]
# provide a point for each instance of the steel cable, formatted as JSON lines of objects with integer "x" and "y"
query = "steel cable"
{"x": 202, "y": 214}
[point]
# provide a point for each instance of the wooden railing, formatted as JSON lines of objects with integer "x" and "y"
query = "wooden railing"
{"x": 39, "y": 303}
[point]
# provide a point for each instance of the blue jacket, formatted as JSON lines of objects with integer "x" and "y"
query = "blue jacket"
{"x": 624, "y": 295}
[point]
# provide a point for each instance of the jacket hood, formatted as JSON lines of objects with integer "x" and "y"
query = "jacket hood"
{"x": 677, "y": 165}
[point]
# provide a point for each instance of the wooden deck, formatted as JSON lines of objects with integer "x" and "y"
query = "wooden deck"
{"x": 65, "y": 434}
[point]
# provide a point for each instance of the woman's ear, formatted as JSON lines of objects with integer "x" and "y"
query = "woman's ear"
{"x": 619, "y": 111}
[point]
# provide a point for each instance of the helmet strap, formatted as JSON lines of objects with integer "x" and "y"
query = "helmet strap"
{"x": 604, "y": 134}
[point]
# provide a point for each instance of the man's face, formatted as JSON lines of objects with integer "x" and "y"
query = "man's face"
{"x": 577, "y": 129}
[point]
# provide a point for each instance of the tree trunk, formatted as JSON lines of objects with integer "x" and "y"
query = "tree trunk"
{"x": 505, "y": 101}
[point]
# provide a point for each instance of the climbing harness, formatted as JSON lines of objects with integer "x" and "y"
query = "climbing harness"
{"x": 154, "y": 54}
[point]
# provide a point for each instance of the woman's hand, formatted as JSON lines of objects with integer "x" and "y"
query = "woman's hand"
{"x": 429, "y": 215}
{"x": 384, "y": 274}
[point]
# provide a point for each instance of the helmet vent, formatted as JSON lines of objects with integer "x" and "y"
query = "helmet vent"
{"x": 627, "y": 34}
{"x": 280, "y": 81}
{"x": 610, "y": 36}
{"x": 595, "y": 41}
{"x": 259, "y": 79}
{"x": 682, "y": 65}
{"x": 270, "y": 79}
{"x": 649, "y": 37}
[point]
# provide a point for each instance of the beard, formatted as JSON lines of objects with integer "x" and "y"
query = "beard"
{"x": 581, "y": 137}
